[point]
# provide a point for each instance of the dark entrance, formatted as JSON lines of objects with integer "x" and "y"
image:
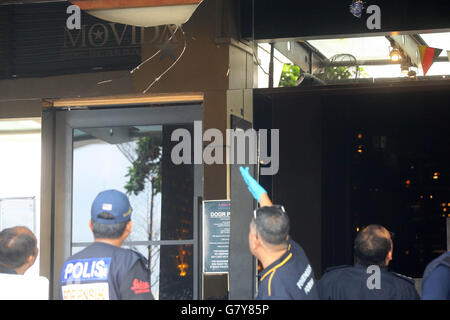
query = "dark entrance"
{"x": 352, "y": 156}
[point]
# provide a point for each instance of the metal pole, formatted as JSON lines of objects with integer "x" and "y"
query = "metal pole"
{"x": 448, "y": 234}
{"x": 272, "y": 47}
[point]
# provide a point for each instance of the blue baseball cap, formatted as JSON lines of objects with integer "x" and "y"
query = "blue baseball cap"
{"x": 115, "y": 203}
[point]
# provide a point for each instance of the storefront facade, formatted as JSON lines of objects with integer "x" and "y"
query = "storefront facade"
{"x": 95, "y": 117}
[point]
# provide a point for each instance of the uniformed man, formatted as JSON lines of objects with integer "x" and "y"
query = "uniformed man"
{"x": 287, "y": 273}
{"x": 436, "y": 279}
{"x": 104, "y": 270}
{"x": 369, "y": 278}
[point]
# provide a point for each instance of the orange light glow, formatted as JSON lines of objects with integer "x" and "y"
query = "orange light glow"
{"x": 183, "y": 267}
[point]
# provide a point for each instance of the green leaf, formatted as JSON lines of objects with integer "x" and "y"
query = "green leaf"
{"x": 146, "y": 166}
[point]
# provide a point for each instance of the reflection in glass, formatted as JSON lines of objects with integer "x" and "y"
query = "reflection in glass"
{"x": 106, "y": 158}
{"x": 171, "y": 268}
{"x": 137, "y": 161}
{"x": 176, "y": 275}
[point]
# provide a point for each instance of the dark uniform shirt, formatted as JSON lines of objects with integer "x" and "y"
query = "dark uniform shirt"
{"x": 102, "y": 271}
{"x": 351, "y": 283}
{"x": 436, "y": 279}
{"x": 4, "y": 269}
{"x": 291, "y": 277}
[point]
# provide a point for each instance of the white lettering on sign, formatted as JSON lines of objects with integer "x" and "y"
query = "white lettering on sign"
{"x": 86, "y": 269}
{"x": 218, "y": 214}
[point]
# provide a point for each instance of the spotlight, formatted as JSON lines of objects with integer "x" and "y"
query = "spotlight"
{"x": 405, "y": 67}
{"x": 395, "y": 55}
{"x": 412, "y": 74}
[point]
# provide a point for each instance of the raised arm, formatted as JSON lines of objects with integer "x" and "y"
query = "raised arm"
{"x": 257, "y": 191}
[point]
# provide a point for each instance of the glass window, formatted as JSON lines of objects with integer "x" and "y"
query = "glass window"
{"x": 171, "y": 269}
{"x": 137, "y": 161}
{"x": 20, "y": 176}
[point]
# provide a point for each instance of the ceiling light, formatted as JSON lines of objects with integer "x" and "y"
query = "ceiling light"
{"x": 143, "y": 13}
{"x": 412, "y": 74}
{"x": 395, "y": 55}
{"x": 405, "y": 67}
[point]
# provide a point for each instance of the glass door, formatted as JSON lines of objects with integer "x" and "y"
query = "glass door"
{"x": 130, "y": 150}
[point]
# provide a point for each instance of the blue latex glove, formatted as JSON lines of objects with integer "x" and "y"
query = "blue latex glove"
{"x": 254, "y": 187}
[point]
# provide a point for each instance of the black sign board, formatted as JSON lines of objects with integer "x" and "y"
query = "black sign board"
{"x": 35, "y": 41}
{"x": 216, "y": 235}
{"x": 290, "y": 19}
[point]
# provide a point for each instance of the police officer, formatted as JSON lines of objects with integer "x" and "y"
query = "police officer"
{"x": 104, "y": 270}
{"x": 287, "y": 273}
{"x": 436, "y": 279}
{"x": 369, "y": 278}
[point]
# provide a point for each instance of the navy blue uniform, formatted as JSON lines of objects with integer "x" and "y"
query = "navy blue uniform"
{"x": 436, "y": 279}
{"x": 291, "y": 277}
{"x": 7, "y": 270}
{"x": 105, "y": 272}
{"x": 351, "y": 283}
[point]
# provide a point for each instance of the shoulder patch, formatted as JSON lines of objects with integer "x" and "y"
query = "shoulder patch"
{"x": 93, "y": 269}
{"x": 401, "y": 276}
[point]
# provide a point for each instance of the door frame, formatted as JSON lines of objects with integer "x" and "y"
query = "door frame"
{"x": 58, "y": 124}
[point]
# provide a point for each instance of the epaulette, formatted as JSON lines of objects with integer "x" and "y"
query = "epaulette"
{"x": 141, "y": 258}
{"x": 446, "y": 261}
{"x": 401, "y": 276}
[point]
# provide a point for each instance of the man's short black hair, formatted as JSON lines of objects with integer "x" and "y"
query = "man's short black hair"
{"x": 108, "y": 231}
{"x": 16, "y": 247}
{"x": 372, "y": 246}
{"x": 272, "y": 224}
